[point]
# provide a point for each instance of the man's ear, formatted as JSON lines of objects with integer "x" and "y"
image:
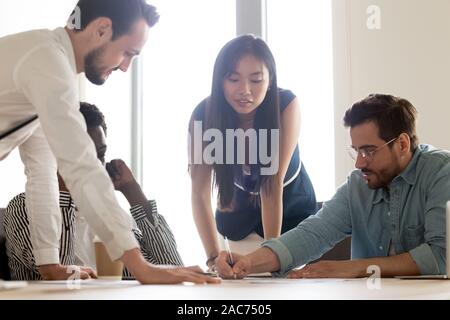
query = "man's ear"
{"x": 102, "y": 28}
{"x": 404, "y": 142}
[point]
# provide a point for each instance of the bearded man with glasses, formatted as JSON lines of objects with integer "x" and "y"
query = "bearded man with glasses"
{"x": 393, "y": 206}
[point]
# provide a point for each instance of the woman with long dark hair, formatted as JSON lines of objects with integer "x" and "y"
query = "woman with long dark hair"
{"x": 244, "y": 140}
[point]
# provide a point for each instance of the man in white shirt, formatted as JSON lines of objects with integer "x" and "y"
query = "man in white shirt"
{"x": 38, "y": 75}
{"x": 154, "y": 235}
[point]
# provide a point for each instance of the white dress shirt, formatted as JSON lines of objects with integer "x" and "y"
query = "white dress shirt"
{"x": 38, "y": 76}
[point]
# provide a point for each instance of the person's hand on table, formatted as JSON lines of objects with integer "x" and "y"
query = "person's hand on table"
{"x": 61, "y": 272}
{"x": 194, "y": 274}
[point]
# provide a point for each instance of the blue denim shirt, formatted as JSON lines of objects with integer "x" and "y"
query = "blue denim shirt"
{"x": 410, "y": 217}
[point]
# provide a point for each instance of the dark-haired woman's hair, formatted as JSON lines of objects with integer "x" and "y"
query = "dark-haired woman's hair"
{"x": 220, "y": 115}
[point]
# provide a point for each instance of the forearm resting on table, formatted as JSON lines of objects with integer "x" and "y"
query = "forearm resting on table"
{"x": 48, "y": 271}
{"x": 135, "y": 262}
{"x": 402, "y": 264}
{"x": 264, "y": 260}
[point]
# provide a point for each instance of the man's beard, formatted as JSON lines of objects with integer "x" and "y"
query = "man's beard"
{"x": 91, "y": 69}
{"x": 383, "y": 178}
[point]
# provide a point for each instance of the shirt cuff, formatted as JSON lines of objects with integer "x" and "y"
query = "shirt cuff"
{"x": 424, "y": 258}
{"x": 117, "y": 246}
{"x": 284, "y": 256}
{"x": 137, "y": 212}
{"x": 46, "y": 256}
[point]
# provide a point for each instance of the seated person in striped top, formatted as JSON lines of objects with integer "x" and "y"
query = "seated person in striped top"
{"x": 156, "y": 240}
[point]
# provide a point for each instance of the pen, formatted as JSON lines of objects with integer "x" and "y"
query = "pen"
{"x": 227, "y": 247}
{"x": 209, "y": 273}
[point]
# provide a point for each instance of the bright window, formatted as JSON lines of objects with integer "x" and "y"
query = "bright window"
{"x": 300, "y": 36}
{"x": 178, "y": 64}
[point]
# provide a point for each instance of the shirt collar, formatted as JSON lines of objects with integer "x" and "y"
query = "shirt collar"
{"x": 63, "y": 38}
{"x": 381, "y": 194}
{"x": 410, "y": 172}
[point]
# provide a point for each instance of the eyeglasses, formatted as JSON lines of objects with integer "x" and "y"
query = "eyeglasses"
{"x": 366, "y": 153}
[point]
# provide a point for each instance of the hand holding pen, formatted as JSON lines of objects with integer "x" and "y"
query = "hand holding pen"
{"x": 229, "y": 259}
{"x": 240, "y": 268}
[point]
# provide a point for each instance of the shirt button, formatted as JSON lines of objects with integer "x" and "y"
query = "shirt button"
{"x": 381, "y": 247}
{"x": 389, "y": 213}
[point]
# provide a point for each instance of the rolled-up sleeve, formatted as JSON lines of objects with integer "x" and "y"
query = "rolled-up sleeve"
{"x": 48, "y": 81}
{"x": 430, "y": 255}
{"x": 314, "y": 236}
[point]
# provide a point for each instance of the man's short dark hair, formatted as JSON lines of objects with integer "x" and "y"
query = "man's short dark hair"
{"x": 392, "y": 115}
{"x": 123, "y": 14}
{"x": 93, "y": 116}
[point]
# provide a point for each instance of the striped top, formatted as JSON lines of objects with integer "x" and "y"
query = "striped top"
{"x": 153, "y": 234}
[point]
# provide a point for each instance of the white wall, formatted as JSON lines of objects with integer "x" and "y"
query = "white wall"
{"x": 304, "y": 61}
{"x": 408, "y": 56}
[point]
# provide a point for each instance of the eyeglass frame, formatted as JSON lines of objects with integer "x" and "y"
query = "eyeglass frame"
{"x": 365, "y": 154}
